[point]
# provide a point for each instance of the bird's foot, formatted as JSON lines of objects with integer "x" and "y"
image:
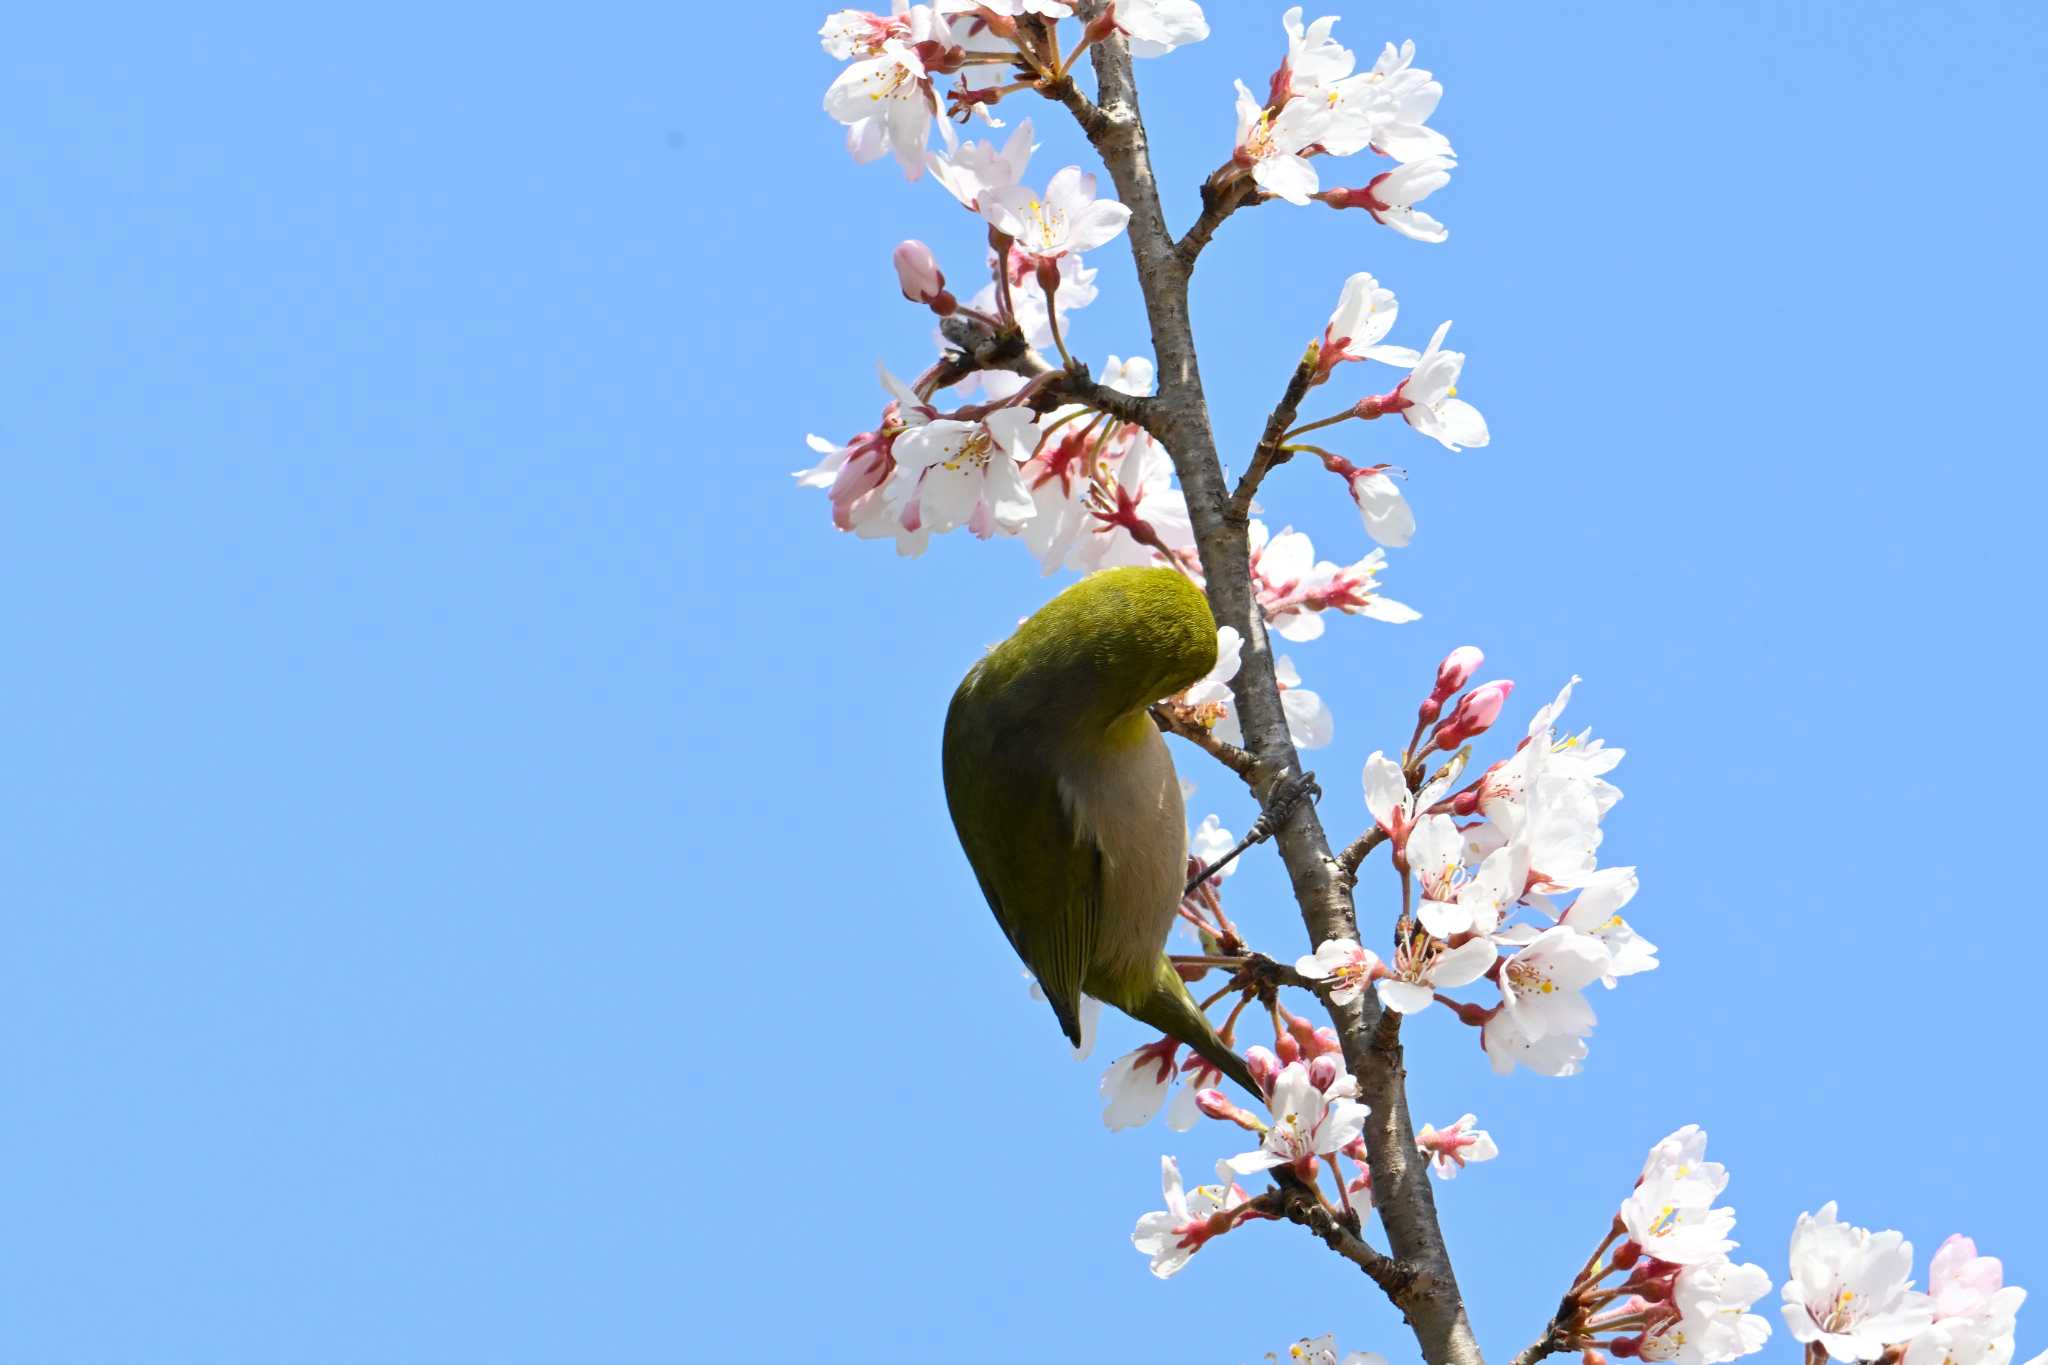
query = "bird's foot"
{"x": 1288, "y": 794}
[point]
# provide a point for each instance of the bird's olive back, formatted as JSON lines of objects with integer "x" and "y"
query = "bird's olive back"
{"x": 1117, "y": 640}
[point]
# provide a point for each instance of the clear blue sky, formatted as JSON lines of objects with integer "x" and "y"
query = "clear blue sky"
{"x": 474, "y": 878}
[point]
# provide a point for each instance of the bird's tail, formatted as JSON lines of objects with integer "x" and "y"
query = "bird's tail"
{"x": 1169, "y": 1008}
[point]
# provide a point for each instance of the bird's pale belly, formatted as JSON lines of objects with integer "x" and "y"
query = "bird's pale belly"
{"x": 1129, "y": 802}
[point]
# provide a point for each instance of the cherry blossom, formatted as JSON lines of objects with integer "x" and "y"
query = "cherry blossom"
{"x": 1707, "y": 1319}
{"x": 1424, "y": 964}
{"x": 1391, "y": 196}
{"x": 975, "y": 169}
{"x": 1365, "y": 313}
{"x": 1274, "y": 147}
{"x": 1157, "y": 27}
{"x": 1670, "y": 1214}
{"x": 1388, "y": 518}
{"x": 1540, "y": 985}
{"x": 1135, "y": 1086}
{"x": 1174, "y": 1234}
{"x": 1851, "y": 1289}
{"x": 1506, "y": 1046}
{"x": 1067, "y": 218}
{"x": 1322, "y": 1350}
{"x": 1307, "y": 1121}
{"x": 1449, "y": 1149}
{"x": 1295, "y": 588}
{"x": 1309, "y": 723}
{"x": 1344, "y": 964}
{"x": 1402, "y": 98}
{"x": 1428, "y": 399}
{"x": 1394, "y": 809}
{"x": 952, "y": 473}
{"x": 885, "y": 96}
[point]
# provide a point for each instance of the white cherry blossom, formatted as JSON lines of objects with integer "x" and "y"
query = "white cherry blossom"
{"x": 1556, "y": 1054}
{"x": 1365, "y": 313}
{"x": 1428, "y": 399}
{"x": 974, "y": 170}
{"x": 1306, "y": 1121}
{"x": 1344, "y": 964}
{"x": 1135, "y": 1085}
{"x": 1171, "y": 1235}
{"x": 1067, "y": 218}
{"x": 1671, "y": 1213}
{"x": 1851, "y": 1289}
{"x": 1274, "y": 147}
{"x": 1156, "y": 27}
{"x": 952, "y": 473}
{"x": 885, "y": 97}
{"x": 1540, "y": 985}
{"x": 1450, "y": 1149}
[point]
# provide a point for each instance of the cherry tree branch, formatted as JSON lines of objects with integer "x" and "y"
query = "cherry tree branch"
{"x": 1555, "y": 1338}
{"x": 1220, "y": 199}
{"x": 1298, "y": 1203}
{"x": 1359, "y": 849}
{"x": 1180, "y": 420}
{"x": 981, "y": 347}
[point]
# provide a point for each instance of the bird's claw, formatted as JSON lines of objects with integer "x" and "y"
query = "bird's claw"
{"x": 1288, "y": 794}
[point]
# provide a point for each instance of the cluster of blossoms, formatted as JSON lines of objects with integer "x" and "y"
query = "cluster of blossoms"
{"x": 897, "y": 63}
{"x": 1851, "y": 1296}
{"x": 1322, "y": 1350}
{"x": 1079, "y": 486}
{"x": 1318, "y": 104}
{"x": 1514, "y": 895}
{"x": 1679, "y": 1297}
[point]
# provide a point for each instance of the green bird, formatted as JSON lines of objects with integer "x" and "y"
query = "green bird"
{"x": 1066, "y": 801}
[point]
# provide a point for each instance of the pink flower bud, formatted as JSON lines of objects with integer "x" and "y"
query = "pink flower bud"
{"x": 1476, "y": 711}
{"x": 1216, "y": 1105}
{"x": 1324, "y": 1071}
{"x": 1287, "y": 1047}
{"x": 1456, "y": 670}
{"x": 1264, "y": 1066}
{"x": 918, "y": 272}
{"x": 1328, "y": 1043}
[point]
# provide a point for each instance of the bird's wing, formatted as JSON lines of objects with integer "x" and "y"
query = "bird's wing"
{"x": 1041, "y": 874}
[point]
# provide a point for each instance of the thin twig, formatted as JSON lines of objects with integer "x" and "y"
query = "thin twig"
{"x": 1269, "y": 452}
{"x": 1359, "y": 849}
{"x": 1175, "y": 719}
{"x": 1220, "y": 199}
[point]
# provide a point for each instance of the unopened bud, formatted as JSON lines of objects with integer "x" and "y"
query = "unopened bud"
{"x": 1626, "y": 1255}
{"x": 1430, "y": 709}
{"x": 917, "y": 270}
{"x": 1328, "y": 1043}
{"x": 1264, "y": 1066}
{"x": 1456, "y": 670}
{"x": 1323, "y": 1072}
{"x": 1289, "y": 1050}
{"x": 1592, "y": 1357}
{"x": 1474, "y": 714}
{"x": 1217, "y": 1105}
